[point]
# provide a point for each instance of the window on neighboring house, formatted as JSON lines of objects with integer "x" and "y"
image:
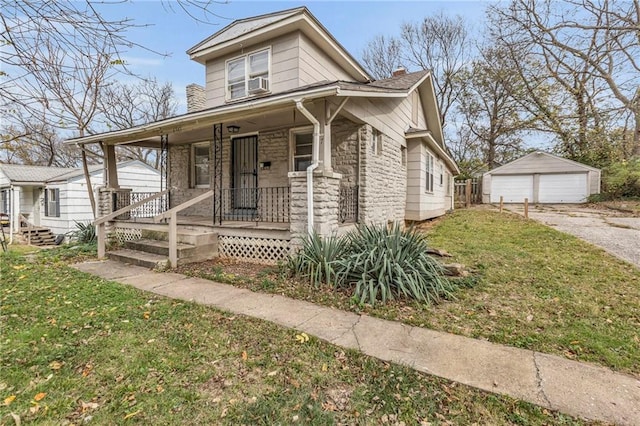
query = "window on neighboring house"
{"x": 200, "y": 165}
{"x": 302, "y": 148}
{"x": 441, "y": 175}
{"x": 4, "y": 201}
{"x": 448, "y": 190}
{"x": 52, "y": 202}
{"x": 430, "y": 173}
{"x": 403, "y": 156}
{"x": 248, "y": 75}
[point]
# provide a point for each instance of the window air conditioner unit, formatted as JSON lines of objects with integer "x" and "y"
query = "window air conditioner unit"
{"x": 258, "y": 85}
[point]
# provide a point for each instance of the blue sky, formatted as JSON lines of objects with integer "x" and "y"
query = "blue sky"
{"x": 352, "y": 23}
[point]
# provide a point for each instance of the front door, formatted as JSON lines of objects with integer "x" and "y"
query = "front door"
{"x": 245, "y": 172}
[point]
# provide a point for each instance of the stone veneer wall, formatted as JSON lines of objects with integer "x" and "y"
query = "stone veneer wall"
{"x": 325, "y": 205}
{"x": 383, "y": 180}
{"x": 344, "y": 150}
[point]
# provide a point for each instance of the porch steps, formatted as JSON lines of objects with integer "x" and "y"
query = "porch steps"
{"x": 139, "y": 258}
{"x": 152, "y": 250}
{"x": 39, "y": 236}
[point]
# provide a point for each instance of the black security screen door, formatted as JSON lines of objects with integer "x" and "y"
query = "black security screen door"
{"x": 245, "y": 172}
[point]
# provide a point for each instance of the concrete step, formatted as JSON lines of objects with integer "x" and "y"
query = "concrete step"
{"x": 139, "y": 258}
{"x": 185, "y": 236}
{"x": 186, "y": 252}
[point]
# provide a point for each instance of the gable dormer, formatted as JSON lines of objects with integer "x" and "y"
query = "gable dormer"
{"x": 271, "y": 54}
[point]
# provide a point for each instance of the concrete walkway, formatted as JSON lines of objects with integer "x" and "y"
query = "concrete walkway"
{"x": 574, "y": 388}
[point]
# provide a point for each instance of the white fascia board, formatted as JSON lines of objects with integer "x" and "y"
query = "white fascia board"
{"x": 372, "y": 94}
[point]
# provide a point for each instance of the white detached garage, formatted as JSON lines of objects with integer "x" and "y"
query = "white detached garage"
{"x": 541, "y": 178}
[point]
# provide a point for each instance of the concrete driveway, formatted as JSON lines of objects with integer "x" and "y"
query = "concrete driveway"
{"x": 616, "y": 232}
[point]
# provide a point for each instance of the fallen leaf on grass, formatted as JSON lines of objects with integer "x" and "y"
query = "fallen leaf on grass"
{"x": 8, "y": 400}
{"x": 244, "y": 355}
{"x": 39, "y": 396}
{"x": 146, "y": 315}
{"x": 56, "y": 365}
{"x": 18, "y": 267}
{"x": 16, "y": 419}
{"x": 302, "y": 337}
{"x": 86, "y": 406}
{"x": 135, "y": 413}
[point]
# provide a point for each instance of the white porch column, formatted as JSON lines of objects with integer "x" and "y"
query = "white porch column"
{"x": 15, "y": 208}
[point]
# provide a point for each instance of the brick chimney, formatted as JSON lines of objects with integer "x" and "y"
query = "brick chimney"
{"x": 195, "y": 97}
{"x": 399, "y": 71}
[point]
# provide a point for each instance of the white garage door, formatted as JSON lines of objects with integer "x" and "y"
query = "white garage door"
{"x": 563, "y": 188}
{"x": 513, "y": 188}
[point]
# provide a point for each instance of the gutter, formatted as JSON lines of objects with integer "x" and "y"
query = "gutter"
{"x": 314, "y": 160}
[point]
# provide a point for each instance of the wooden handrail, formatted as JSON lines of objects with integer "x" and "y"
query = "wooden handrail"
{"x": 130, "y": 207}
{"x": 180, "y": 207}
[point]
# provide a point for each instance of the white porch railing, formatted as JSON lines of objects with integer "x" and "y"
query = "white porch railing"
{"x": 172, "y": 215}
{"x": 100, "y": 223}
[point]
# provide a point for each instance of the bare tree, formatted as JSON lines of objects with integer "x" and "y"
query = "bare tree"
{"x": 439, "y": 43}
{"x": 34, "y": 142}
{"x": 591, "y": 49}
{"x": 127, "y": 105}
{"x": 491, "y": 108}
{"x": 382, "y": 56}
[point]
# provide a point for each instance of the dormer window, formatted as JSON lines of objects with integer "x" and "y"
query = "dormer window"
{"x": 248, "y": 75}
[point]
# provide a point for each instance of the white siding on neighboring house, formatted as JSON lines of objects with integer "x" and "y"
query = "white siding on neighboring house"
{"x": 74, "y": 199}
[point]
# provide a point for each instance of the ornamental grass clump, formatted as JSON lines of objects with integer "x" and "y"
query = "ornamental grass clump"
{"x": 384, "y": 263}
{"x": 378, "y": 263}
{"x": 317, "y": 259}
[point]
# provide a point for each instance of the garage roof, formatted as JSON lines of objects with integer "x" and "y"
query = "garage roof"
{"x": 541, "y": 162}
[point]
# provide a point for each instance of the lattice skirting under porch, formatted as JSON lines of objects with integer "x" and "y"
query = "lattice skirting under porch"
{"x": 122, "y": 235}
{"x": 252, "y": 249}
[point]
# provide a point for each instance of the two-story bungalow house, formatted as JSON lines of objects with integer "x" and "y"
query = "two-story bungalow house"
{"x": 294, "y": 136}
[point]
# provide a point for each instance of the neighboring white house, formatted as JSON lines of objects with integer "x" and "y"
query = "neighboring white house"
{"x": 541, "y": 177}
{"x": 56, "y": 198}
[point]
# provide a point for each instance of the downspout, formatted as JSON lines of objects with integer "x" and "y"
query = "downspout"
{"x": 314, "y": 161}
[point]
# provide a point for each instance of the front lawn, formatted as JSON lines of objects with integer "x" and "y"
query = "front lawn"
{"x": 533, "y": 287}
{"x": 77, "y": 349}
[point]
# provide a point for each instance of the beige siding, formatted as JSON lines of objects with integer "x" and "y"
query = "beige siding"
{"x": 315, "y": 65}
{"x": 284, "y": 68}
{"x": 421, "y": 204}
{"x": 391, "y": 116}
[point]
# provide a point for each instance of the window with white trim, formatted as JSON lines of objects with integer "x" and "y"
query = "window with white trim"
{"x": 200, "y": 160}
{"x": 248, "y": 75}
{"x": 52, "y": 202}
{"x": 429, "y": 175}
{"x": 301, "y": 149}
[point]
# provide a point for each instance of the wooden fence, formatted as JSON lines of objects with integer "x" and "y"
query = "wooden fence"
{"x": 468, "y": 191}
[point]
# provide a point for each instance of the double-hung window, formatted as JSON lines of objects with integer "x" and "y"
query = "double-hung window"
{"x": 430, "y": 173}
{"x": 52, "y": 202}
{"x": 302, "y": 148}
{"x": 200, "y": 165}
{"x": 248, "y": 75}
